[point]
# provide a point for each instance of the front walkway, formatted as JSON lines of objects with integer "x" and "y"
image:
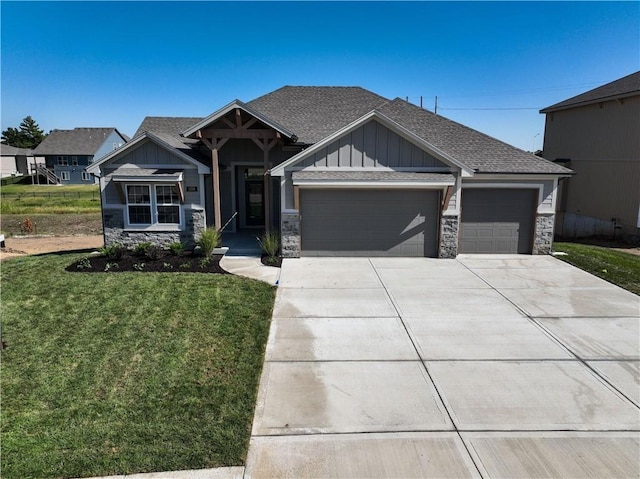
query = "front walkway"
{"x": 506, "y": 366}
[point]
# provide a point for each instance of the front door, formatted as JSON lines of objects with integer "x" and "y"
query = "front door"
{"x": 254, "y": 202}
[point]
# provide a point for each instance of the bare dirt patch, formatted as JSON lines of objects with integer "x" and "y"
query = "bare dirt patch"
{"x": 28, "y": 245}
{"x": 87, "y": 224}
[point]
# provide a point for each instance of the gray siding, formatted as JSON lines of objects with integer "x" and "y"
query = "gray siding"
{"x": 369, "y": 146}
{"x": 148, "y": 153}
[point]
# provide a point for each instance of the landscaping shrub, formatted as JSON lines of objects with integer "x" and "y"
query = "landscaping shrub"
{"x": 112, "y": 252}
{"x": 176, "y": 248}
{"x": 270, "y": 243}
{"x": 141, "y": 248}
{"x": 209, "y": 240}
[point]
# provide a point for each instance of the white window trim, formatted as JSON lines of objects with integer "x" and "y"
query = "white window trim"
{"x": 86, "y": 176}
{"x": 154, "y": 225}
{"x": 64, "y": 176}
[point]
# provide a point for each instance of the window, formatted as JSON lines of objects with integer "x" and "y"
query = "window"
{"x": 168, "y": 202}
{"x": 63, "y": 161}
{"x": 64, "y": 175}
{"x": 74, "y": 160}
{"x": 158, "y": 205}
{"x": 139, "y": 204}
{"x": 86, "y": 176}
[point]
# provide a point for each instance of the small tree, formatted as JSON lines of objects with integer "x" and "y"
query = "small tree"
{"x": 28, "y": 135}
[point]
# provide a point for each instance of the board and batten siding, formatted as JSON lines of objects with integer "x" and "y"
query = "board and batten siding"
{"x": 147, "y": 153}
{"x": 372, "y": 145}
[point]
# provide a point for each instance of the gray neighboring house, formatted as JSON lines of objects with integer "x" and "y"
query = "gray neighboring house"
{"x": 597, "y": 134}
{"x": 15, "y": 161}
{"x": 338, "y": 171}
{"x": 67, "y": 153}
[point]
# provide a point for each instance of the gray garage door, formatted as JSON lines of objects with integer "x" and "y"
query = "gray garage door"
{"x": 369, "y": 222}
{"x": 497, "y": 221}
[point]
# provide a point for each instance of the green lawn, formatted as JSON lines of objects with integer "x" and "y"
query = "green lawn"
{"x": 126, "y": 372}
{"x": 40, "y": 199}
{"x": 615, "y": 266}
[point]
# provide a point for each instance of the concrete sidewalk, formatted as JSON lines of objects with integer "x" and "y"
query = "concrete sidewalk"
{"x": 484, "y": 366}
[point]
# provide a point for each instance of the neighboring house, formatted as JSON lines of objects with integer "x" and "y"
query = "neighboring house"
{"x": 597, "y": 134}
{"x": 337, "y": 171}
{"x": 15, "y": 161}
{"x": 67, "y": 153}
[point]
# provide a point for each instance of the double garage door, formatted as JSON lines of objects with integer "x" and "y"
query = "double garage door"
{"x": 369, "y": 222}
{"x": 497, "y": 220}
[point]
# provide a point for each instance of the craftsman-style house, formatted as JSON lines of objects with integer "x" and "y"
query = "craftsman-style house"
{"x": 337, "y": 171}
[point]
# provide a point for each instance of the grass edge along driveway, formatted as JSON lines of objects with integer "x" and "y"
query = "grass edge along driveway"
{"x": 617, "y": 267}
{"x": 127, "y": 372}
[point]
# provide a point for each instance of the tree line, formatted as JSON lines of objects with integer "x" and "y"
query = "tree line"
{"x": 27, "y": 135}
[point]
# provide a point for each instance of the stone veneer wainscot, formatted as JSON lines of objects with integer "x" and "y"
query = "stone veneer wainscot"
{"x": 114, "y": 231}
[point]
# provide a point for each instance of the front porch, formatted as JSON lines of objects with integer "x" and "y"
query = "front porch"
{"x": 243, "y": 242}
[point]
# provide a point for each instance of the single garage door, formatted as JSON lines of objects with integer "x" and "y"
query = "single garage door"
{"x": 497, "y": 220}
{"x": 369, "y": 222}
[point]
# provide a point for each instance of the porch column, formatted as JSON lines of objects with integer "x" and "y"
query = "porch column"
{"x": 265, "y": 145}
{"x": 214, "y": 144}
{"x": 217, "y": 212}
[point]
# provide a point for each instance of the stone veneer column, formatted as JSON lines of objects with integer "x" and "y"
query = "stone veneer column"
{"x": 290, "y": 238}
{"x": 448, "y": 247}
{"x": 543, "y": 239}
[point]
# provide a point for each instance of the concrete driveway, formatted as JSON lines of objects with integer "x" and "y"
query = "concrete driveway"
{"x": 483, "y": 366}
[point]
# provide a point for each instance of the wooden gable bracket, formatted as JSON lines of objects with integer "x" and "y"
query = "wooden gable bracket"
{"x": 447, "y": 197}
{"x": 181, "y": 192}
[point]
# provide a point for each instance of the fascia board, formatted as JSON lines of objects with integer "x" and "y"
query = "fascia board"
{"x": 372, "y": 184}
{"x": 229, "y": 107}
{"x": 384, "y": 120}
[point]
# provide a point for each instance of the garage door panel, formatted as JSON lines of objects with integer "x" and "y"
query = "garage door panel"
{"x": 369, "y": 222}
{"x": 497, "y": 220}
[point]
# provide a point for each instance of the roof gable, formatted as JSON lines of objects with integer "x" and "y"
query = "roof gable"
{"x": 385, "y": 121}
{"x": 79, "y": 141}
{"x": 621, "y": 88}
{"x": 237, "y": 104}
{"x": 163, "y": 141}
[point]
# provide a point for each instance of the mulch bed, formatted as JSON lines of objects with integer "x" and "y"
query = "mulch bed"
{"x": 275, "y": 261}
{"x": 166, "y": 262}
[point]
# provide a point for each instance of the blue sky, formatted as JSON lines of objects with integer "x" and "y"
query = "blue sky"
{"x": 491, "y": 64}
